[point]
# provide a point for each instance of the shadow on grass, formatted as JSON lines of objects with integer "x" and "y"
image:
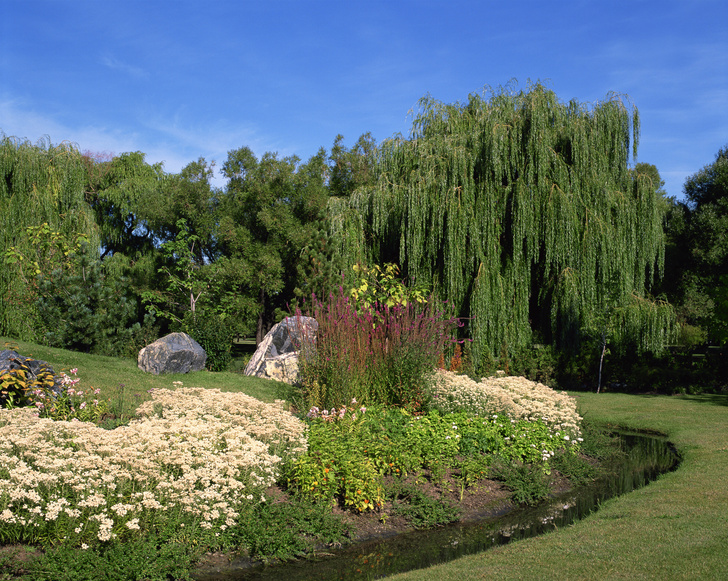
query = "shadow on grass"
{"x": 719, "y": 399}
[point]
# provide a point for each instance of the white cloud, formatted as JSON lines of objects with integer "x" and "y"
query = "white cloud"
{"x": 171, "y": 141}
{"x": 117, "y": 65}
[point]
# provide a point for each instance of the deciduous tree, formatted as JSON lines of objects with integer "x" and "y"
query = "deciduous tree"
{"x": 523, "y": 211}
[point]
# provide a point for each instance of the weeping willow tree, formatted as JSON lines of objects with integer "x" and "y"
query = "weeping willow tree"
{"x": 40, "y": 184}
{"x": 523, "y": 212}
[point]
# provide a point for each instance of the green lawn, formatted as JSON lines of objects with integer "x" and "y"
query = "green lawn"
{"x": 675, "y": 528}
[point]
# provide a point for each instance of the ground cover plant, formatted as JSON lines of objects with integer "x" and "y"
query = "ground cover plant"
{"x": 196, "y": 470}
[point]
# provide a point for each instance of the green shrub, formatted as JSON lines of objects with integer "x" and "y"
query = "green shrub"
{"x": 528, "y": 482}
{"x": 83, "y": 310}
{"x": 213, "y": 335}
{"x": 420, "y": 510}
{"x": 288, "y": 530}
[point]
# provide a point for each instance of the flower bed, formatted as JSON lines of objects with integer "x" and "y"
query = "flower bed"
{"x": 191, "y": 454}
{"x": 516, "y": 397}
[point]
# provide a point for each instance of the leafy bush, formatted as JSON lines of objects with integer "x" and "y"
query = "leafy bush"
{"x": 528, "y": 482}
{"x": 213, "y": 335}
{"x": 421, "y": 510}
{"x": 352, "y": 449}
{"x": 288, "y": 530}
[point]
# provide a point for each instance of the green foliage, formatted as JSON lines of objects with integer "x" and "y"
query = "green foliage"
{"x": 185, "y": 281}
{"x": 577, "y": 469}
{"x": 337, "y": 466}
{"x": 268, "y": 214}
{"x": 40, "y": 184}
{"x": 421, "y": 510}
{"x": 528, "y": 482}
{"x": 353, "y": 168}
{"x": 214, "y": 335}
{"x": 521, "y": 210}
{"x": 352, "y": 449}
{"x": 697, "y": 254}
{"x": 154, "y": 558}
{"x": 380, "y": 286}
{"x": 288, "y": 530}
{"x": 125, "y": 193}
{"x": 85, "y": 311}
{"x": 318, "y": 270}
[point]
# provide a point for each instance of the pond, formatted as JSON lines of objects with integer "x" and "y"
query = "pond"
{"x": 646, "y": 458}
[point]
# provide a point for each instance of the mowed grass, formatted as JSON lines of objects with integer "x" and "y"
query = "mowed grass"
{"x": 125, "y": 386}
{"x": 674, "y": 528}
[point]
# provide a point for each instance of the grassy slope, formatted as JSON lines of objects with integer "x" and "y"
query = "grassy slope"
{"x": 123, "y": 383}
{"x": 675, "y": 528}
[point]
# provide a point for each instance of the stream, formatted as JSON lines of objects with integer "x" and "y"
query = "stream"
{"x": 646, "y": 458}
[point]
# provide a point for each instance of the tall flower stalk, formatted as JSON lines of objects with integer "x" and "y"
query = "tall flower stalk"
{"x": 372, "y": 353}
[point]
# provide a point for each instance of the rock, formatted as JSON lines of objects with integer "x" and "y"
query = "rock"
{"x": 173, "y": 353}
{"x": 282, "y": 368}
{"x": 277, "y": 354}
{"x": 11, "y": 361}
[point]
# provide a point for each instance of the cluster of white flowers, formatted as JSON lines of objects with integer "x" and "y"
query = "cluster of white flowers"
{"x": 517, "y": 397}
{"x": 200, "y": 451}
{"x": 334, "y": 414}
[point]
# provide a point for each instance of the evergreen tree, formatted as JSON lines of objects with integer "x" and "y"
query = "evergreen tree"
{"x": 83, "y": 311}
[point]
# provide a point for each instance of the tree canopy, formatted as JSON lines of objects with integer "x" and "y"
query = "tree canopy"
{"x": 524, "y": 212}
{"x": 698, "y": 250}
{"x": 40, "y": 184}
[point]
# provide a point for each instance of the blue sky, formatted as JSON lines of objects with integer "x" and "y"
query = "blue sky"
{"x": 180, "y": 80}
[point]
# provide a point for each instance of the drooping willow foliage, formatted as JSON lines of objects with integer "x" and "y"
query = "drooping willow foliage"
{"x": 39, "y": 183}
{"x": 523, "y": 211}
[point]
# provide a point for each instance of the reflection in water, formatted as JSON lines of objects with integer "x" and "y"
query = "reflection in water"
{"x": 647, "y": 457}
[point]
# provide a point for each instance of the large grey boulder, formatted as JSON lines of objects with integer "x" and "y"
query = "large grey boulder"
{"x": 277, "y": 354}
{"x": 173, "y": 353}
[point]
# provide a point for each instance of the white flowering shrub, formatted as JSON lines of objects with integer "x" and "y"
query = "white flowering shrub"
{"x": 199, "y": 452}
{"x": 517, "y": 397}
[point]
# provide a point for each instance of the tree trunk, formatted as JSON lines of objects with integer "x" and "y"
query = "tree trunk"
{"x": 601, "y": 361}
{"x": 260, "y": 328}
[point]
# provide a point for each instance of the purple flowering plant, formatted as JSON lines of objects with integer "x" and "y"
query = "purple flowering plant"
{"x": 375, "y": 353}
